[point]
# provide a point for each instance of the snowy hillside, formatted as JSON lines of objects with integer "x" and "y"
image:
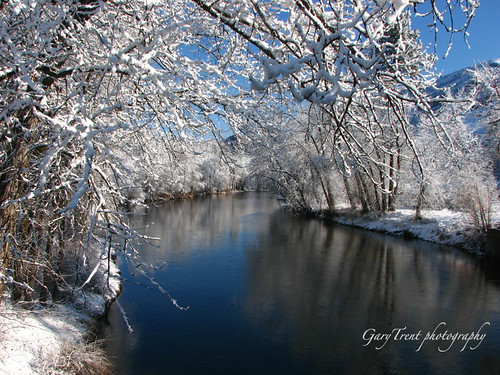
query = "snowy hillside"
{"x": 480, "y": 84}
{"x": 463, "y": 80}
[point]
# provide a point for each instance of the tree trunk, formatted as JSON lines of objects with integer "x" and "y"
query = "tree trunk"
{"x": 362, "y": 193}
{"x": 420, "y": 201}
{"x": 350, "y": 195}
{"x": 13, "y": 187}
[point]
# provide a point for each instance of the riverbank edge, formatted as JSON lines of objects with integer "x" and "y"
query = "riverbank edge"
{"x": 442, "y": 227}
{"x": 59, "y": 338}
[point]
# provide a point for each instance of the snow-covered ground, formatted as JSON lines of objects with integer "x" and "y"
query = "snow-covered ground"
{"x": 31, "y": 340}
{"x": 444, "y": 226}
{"x": 41, "y": 341}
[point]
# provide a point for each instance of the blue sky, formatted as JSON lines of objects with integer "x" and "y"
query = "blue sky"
{"x": 484, "y": 40}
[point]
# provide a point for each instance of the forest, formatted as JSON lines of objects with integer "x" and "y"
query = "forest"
{"x": 107, "y": 106}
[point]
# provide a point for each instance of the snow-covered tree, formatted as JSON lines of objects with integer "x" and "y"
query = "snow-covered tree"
{"x": 362, "y": 63}
{"x": 85, "y": 84}
{"x": 80, "y": 79}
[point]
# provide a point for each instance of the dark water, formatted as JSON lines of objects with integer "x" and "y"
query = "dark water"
{"x": 270, "y": 293}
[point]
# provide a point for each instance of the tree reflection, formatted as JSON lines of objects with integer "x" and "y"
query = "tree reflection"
{"x": 260, "y": 281}
{"x": 331, "y": 283}
{"x": 187, "y": 226}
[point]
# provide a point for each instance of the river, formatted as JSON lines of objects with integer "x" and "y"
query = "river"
{"x": 272, "y": 293}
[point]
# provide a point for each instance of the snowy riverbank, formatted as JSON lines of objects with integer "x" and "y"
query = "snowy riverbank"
{"x": 444, "y": 227}
{"x": 42, "y": 341}
{"x": 56, "y": 339}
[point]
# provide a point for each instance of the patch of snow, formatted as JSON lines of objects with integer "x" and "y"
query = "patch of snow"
{"x": 399, "y": 6}
{"x": 30, "y": 338}
{"x": 439, "y": 226}
{"x": 495, "y": 62}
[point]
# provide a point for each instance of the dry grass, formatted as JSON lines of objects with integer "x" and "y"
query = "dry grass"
{"x": 476, "y": 200}
{"x": 79, "y": 359}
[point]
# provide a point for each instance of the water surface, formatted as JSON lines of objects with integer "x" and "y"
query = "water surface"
{"x": 272, "y": 293}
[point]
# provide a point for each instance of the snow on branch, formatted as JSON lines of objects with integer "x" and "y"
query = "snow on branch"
{"x": 324, "y": 50}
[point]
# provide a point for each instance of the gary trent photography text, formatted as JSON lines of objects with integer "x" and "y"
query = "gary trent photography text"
{"x": 440, "y": 334}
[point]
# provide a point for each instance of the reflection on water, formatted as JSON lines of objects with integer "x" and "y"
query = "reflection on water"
{"x": 198, "y": 224}
{"x": 271, "y": 293}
